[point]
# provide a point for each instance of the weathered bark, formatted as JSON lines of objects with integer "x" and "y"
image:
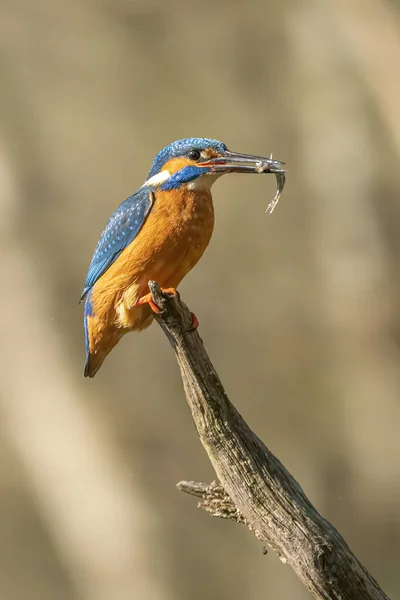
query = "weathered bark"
{"x": 254, "y": 487}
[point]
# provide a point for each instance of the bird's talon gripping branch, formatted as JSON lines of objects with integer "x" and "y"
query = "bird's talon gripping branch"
{"x": 171, "y": 291}
{"x": 195, "y": 322}
{"x": 148, "y": 299}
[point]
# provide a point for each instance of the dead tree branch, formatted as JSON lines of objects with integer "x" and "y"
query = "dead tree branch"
{"x": 254, "y": 487}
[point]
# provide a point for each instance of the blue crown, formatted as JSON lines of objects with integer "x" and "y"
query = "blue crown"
{"x": 182, "y": 147}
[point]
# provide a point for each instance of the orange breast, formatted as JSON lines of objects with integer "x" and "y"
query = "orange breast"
{"x": 180, "y": 227}
{"x": 172, "y": 240}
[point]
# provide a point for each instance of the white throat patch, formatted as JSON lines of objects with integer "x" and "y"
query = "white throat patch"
{"x": 158, "y": 179}
{"x": 204, "y": 182}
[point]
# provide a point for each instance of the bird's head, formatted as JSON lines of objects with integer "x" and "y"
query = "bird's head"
{"x": 198, "y": 162}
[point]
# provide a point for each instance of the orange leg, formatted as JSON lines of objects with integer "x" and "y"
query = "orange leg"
{"x": 147, "y": 299}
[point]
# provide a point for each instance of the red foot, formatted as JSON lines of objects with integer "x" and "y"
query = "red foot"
{"x": 195, "y": 322}
{"x": 148, "y": 299}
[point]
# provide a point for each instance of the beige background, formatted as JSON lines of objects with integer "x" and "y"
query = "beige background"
{"x": 308, "y": 345}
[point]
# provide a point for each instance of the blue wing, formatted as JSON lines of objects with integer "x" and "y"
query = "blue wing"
{"x": 122, "y": 228}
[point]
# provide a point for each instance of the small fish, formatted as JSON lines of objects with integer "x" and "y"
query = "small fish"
{"x": 279, "y": 173}
{"x": 280, "y": 184}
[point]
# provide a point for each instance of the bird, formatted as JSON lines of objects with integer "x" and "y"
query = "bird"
{"x": 159, "y": 233}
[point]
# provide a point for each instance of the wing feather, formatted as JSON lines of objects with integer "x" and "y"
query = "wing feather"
{"x": 121, "y": 229}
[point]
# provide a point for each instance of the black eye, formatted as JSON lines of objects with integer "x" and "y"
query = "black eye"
{"x": 194, "y": 154}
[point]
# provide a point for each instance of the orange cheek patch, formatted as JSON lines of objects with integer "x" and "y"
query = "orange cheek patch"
{"x": 176, "y": 164}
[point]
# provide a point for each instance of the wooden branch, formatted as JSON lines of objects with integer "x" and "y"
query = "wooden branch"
{"x": 254, "y": 487}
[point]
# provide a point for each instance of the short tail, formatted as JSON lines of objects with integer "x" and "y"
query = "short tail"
{"x": 93, "y": 364}
{"x": 94, "y": 360}
{"x": 99, "y": 340}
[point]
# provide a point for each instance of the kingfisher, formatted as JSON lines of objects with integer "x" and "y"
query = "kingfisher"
{"x": 159, "y": 233}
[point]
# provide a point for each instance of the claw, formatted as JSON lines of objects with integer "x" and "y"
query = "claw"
{"x": 195, "y": 322}
{"x": 148, "y": 299}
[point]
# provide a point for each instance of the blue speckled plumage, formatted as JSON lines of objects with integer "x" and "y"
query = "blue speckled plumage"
{"x": 121, "y": 229}
{"x": 180, "y": 148}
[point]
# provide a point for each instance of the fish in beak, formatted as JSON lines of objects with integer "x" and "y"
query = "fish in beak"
{"x": 235, "y": 162}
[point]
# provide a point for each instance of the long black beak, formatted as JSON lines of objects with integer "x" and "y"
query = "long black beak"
{"x": 235, "y": 162}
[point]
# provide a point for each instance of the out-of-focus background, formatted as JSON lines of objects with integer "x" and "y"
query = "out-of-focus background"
{"x": 308, "y": 346}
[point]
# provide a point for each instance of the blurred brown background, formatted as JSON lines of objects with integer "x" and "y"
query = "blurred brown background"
{"x": 90, "y": 91}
